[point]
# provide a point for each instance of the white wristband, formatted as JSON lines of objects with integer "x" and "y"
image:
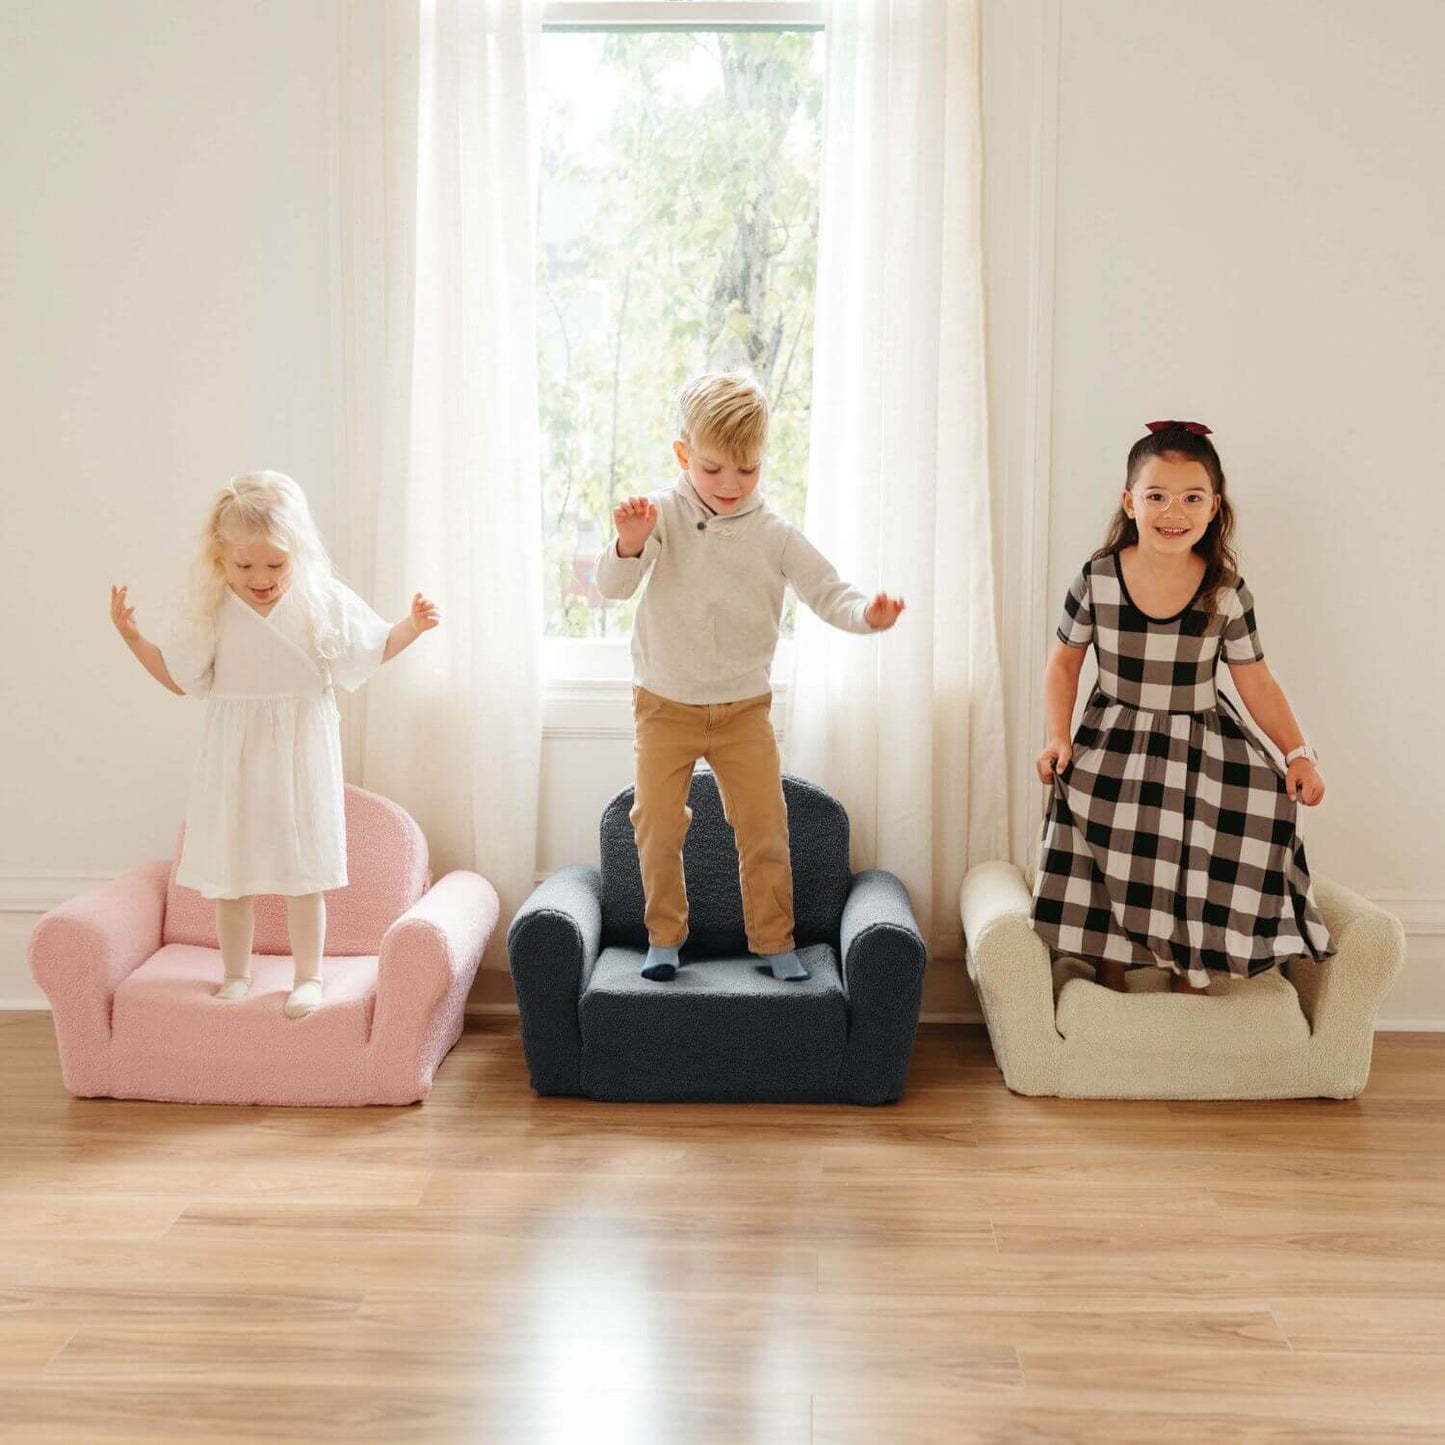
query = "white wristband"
{"x": 1303, "y": 751}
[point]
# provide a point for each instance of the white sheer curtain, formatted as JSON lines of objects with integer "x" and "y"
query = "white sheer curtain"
{"x": 906, "y": 729}
{"x": 439, "y": 486}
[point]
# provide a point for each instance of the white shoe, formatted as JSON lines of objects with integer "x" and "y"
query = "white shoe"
{"x": 234, "y": 988}
{"x": 305, "y": 999}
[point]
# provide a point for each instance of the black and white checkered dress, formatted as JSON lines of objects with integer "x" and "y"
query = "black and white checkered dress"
{"x": 1170, "y": 839}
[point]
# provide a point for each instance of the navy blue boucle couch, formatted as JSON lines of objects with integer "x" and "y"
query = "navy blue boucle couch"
{"x": 720, "y": 1031}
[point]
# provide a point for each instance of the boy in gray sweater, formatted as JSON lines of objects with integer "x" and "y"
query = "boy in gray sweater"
{"x": 702, "y": 652}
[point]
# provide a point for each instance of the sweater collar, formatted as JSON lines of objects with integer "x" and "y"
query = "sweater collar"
{"x": 690, "y": 494}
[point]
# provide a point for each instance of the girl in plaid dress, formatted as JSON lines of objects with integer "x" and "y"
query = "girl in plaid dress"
{"x": 1170, "y": 836}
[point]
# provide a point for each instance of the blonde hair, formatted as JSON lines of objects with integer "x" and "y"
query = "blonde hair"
{"x": 262, "y": 506}
{"x": 727, "y": 410}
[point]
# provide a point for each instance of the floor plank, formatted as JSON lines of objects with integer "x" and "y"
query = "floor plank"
{"x": 966, "y": 1266}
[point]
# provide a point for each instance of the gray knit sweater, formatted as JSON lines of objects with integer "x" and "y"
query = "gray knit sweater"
{"x": 707, "y": 626}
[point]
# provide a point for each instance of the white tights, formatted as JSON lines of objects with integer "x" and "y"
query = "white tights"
{"x": 306, "y": 924}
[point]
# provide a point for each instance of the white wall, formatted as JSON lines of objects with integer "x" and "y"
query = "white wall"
{"x": 165, "y": 312}
{"x": 1237, "y": 217}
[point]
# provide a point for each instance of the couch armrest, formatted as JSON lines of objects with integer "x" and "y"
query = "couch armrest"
{"x": 883, "y": 958}
{"x": 428, "y": 960}
{"x": 81, "y": 952}
{"x": 552, "y": 946}
{"x": 1340, "y": 996}
{"x": 1012, "y": 974}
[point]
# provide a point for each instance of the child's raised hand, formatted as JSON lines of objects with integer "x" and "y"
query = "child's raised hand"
{"x": 424, "y": 614}
{"x": 122, "y": 615}
{"x": 883, "y": 611}
{"x": 1304, "y": 784}
{"x": 1054, "y": 759}
{"x": 634, "y": 518}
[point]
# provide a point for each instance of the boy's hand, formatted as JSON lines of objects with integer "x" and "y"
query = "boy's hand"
{"x": 1304, "y": 784}
{"x": 122, "y": 615}
{"x": 883, "y": 611}
{"x": 424, "y": 614}
{"x": 1054, "y": 759}
{"x": 634, "y": 518}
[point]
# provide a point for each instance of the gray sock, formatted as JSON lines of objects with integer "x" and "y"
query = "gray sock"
{"x": 787, "y": 966}
{"x": 661, "y": 965}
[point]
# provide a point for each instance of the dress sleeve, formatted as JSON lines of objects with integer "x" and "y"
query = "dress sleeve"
{"x": 190, "y": 658}
{"x": 1241, "y": 637}
{"x": 1076, "y": 626}
{"x": 362, "y": 636}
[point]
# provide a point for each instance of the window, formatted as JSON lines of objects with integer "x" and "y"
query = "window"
{"x": 678, "y": 233}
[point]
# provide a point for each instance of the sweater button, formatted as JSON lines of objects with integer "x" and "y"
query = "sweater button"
{"x": 702, "y": 526}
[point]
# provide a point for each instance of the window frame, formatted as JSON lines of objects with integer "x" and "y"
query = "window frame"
{"x": 573, "y": 15}
{"x": 578, "y": 672}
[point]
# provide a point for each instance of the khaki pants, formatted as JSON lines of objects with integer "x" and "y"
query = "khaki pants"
{"x": 736, "y": 739}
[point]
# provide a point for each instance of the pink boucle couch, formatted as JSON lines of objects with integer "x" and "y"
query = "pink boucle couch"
{"x": 131, "y": 966}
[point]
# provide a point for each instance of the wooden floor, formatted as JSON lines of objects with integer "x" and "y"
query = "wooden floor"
{"x": 492, "y": 1267}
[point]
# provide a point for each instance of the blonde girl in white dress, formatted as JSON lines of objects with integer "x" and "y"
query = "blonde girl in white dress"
{"x": 267, "y": 635}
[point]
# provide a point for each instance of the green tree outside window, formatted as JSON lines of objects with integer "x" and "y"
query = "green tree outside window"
{"x": 679, "y": 230}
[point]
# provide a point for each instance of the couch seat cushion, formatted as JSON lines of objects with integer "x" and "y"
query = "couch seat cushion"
{"x": 718, "y": 1031}
{"x": 1254, "y": 1016}
{"x": 171, "y": 1039}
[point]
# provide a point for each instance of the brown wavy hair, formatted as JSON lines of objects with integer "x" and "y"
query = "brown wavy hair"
{"x": 1221, "y": 566}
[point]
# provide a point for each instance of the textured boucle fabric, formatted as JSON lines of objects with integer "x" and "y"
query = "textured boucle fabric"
{"x": 721, "y": 1030}
{"x": 81, "y": 952}
{"x": 136, "y": 1016}
{"x": 1301, "y": 1032}
{"x": 173, "y": 1040}
{"x": 552, "y": 945}
{"x": 818, "y": 847}
{"x": 386, "y": 866}
{"x": 883, "y": 964}
{"x": 429, "y": 961}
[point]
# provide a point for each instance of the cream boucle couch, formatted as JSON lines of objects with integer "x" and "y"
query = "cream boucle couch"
{"x": 1302, "y": 1031}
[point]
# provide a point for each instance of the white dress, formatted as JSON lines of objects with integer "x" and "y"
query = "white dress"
{"x": 266, "y": 810}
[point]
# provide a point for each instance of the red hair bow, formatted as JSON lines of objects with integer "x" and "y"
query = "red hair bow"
{"x": 1197, "y": 427}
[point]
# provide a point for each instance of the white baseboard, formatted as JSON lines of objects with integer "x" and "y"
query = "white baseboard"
{"x": 1415, "y": 1004}
{"x": 17, "y": 989}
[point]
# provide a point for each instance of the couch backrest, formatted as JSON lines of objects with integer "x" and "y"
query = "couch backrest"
{"x": 386, "y": 867}
{"x": 818, "y": 832}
